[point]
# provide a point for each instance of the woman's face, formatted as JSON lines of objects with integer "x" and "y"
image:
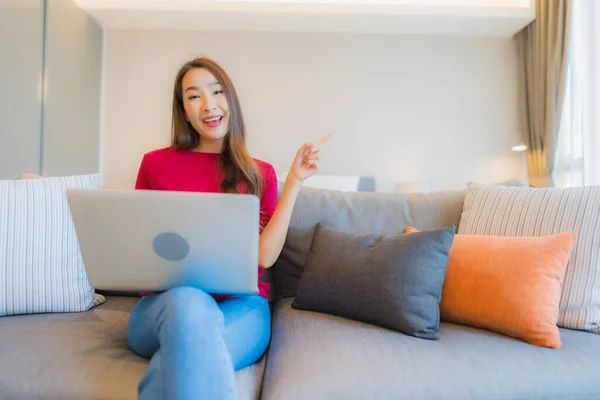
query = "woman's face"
{"x": 205, "y": 104}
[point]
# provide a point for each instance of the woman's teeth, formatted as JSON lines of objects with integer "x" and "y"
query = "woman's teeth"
{"x": 216, "y": 119}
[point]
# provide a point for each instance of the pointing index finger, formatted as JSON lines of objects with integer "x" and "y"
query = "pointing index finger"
{"x": 321, "y": 142}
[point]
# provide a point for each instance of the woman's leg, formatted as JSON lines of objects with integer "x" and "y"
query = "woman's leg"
{"x": 247, "y": 328}
{"x": 181, "y": 331}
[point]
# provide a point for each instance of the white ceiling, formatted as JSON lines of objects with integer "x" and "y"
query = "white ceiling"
{"x": 456, "y": 17}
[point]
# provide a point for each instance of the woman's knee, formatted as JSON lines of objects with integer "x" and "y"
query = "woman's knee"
{"x": 178, "y": 312}
{"x": 189, "y": 306}
{"x": 188, "y": 295}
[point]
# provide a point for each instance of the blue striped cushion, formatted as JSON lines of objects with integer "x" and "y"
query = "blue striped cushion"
{"x": 41, "y": 269}
{"x": 524, "y": 211}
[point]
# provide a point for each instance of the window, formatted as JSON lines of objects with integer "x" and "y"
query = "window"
{"x": 579, "y": 136}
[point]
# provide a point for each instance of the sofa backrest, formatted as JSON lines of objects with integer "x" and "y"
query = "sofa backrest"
{"x": 360, "y": 213}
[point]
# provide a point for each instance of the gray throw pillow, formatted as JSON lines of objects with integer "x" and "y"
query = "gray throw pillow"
{"x": 392, "y": 281}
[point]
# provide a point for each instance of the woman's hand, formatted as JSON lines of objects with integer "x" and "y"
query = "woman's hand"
{"x": 272, "y": 238}
{"x": 306, "y": 162}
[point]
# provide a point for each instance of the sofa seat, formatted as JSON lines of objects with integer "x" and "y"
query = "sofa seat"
{"x": 318, "y": 356}
{"x": 81, "y": 356}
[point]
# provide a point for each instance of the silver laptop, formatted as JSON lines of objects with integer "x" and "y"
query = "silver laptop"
{"x": 143, "y": 240}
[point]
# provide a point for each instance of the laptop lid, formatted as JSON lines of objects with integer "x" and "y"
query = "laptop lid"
{"x": 144, "y": 240}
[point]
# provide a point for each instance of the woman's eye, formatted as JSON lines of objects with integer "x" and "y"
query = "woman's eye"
{"x": 219, "y": 92}
{"x": 193, "y": 97}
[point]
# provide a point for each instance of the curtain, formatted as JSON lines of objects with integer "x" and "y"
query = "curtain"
{"x": 542, "y": 48}
{"x": 577, "y": 160}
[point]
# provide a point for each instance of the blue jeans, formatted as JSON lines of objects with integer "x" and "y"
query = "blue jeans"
{"x": 195, "y": 344}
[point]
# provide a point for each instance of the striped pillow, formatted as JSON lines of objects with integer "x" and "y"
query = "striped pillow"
{"x": 524, "y": 211}
{"x": 41, "y": 270}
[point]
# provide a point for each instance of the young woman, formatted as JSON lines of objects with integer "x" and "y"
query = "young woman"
{"x": 194, "y": 340}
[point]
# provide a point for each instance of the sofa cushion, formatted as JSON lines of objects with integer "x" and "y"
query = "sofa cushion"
{"x": 506, "y": 284}
{"x": 524, "y": 211}
{"x": 41, "y": 268}
{"x": 358, "y": 213}
{"x": 394, "y": 281}
{"x": 81, "y": 356}
{"x": 318, "y": 356}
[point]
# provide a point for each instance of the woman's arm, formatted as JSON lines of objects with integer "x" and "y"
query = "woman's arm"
{"x": 272, "y": 238}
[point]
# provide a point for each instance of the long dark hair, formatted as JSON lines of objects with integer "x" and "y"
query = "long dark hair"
{"x": 236, "y": 163}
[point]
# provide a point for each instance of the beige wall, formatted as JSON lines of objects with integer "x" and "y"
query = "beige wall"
{"x": 404, "y": 109}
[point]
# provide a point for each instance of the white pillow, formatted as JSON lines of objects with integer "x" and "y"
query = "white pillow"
{"x": 344, "y": 183}
{"x": 41, "y": 269}
{"x": 524, "y": 211}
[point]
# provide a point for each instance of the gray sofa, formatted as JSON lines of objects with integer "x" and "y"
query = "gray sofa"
{"x": 311, "y": 355}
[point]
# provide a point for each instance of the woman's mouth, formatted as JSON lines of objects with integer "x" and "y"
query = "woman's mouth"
{"x": 213, "y": 121}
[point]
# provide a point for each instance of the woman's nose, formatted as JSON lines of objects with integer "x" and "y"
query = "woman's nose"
{"x": 208, "y": 104}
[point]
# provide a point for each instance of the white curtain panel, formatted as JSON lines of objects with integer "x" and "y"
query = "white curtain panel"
{"x": 577, "y": 161}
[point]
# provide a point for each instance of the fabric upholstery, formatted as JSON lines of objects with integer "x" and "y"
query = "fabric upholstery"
{"x": 322, "y": 357}
{"x": 392, "y": 281}
{"x": 509, "y": 285}
{"x": 41, "y": 269}
{"x": 81, "y": 356}
{"x": 358, "y": 213}
{"x": 504, "y": 211}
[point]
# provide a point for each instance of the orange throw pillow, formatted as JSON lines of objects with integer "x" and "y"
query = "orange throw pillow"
{"x": 509, "y": 285}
